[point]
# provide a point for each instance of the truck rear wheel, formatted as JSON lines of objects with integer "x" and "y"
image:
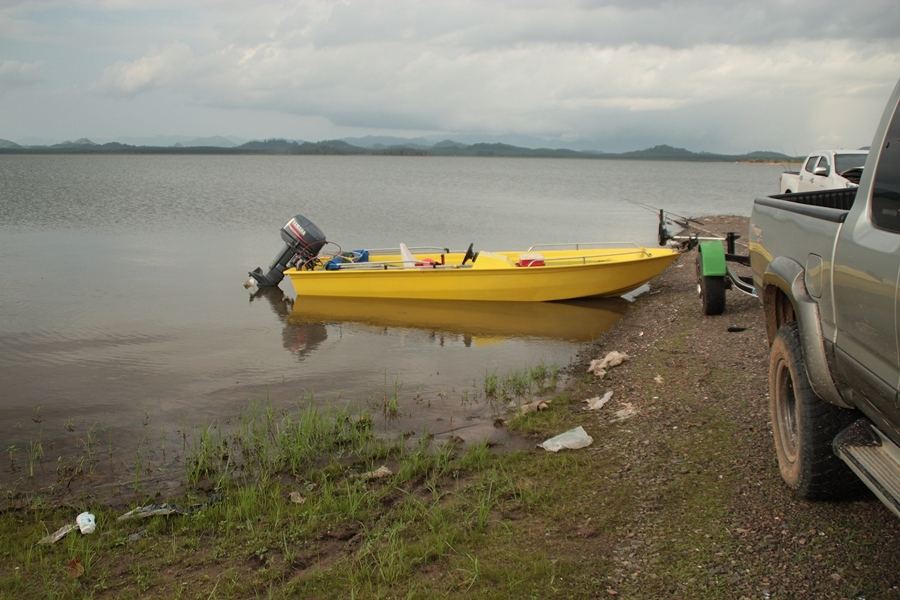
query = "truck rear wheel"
{"x": 804, "y": 425}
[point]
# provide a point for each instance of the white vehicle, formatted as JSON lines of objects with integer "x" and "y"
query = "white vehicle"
{"x": 828, "y": 170}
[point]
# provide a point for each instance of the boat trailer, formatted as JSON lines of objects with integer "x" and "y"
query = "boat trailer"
{"x": 714, "y": 271}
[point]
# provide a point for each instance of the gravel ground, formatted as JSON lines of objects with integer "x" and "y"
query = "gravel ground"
{"x": 711, "y": 516}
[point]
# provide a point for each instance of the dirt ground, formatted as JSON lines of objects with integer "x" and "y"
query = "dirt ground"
{"x": 700, "y": 455}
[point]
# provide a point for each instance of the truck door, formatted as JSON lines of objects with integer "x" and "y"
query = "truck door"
{"x": 807, "y": 179}
{"x": 866, "y": 283}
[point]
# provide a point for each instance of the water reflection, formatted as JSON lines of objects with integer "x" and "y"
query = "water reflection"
{"x": 575, "y": 321}
{"x": 297, "y": 338}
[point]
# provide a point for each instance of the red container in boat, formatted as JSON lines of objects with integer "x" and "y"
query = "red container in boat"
{"x": 530, "y": 260}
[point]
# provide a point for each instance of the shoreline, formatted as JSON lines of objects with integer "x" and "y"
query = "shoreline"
{"x": 682, "y": 499}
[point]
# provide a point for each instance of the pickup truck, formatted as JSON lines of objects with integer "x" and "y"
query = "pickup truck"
{"x": 826, "y": 170}
{"x": 826, "y": 266}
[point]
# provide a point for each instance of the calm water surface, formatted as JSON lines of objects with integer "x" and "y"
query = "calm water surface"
{"x": 122, "y": 314}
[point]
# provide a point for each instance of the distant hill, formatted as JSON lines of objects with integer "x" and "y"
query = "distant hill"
{"x": 80, "y": 142}
{"x": 216, "y": 141}
{"x": 381, "y": 142}
{"x": 769, "y": 155}
{"x": 385, "y": 146}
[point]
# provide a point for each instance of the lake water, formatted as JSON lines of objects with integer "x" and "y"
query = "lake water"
{"x": 123, "y": 318}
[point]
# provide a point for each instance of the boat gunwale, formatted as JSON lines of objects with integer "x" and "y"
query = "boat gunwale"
{"x": 571, "y": 261}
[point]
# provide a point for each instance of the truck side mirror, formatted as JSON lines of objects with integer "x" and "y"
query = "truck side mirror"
{"x": 821, "y": 171}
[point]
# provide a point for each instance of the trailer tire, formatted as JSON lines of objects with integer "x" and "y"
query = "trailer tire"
{"x": 711, "y": 289}
{"x": 804, "y": 425}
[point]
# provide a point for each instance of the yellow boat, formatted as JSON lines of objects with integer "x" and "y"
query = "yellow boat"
{"x": 538, "y": 274}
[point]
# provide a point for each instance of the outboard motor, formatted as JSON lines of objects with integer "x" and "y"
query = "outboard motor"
{"x": 302, "y": 240}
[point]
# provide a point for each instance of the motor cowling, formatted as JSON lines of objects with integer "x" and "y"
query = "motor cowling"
{"x": 302, "y": 242}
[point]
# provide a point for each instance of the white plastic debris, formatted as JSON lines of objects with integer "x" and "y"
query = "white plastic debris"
{"x": 152, "y": 510}
{"x": 379, "y": 473}
{"x": 58, "y": 534}
{"x": 626, "y": 412}
{"x": 658, "y": 379}
{"x": 572, "y": 440}
{"x": 86, "y": 522}
{"x": 536, "y": 406}
{"x": 599, "y": 367}
{"x": 598, "y": 402}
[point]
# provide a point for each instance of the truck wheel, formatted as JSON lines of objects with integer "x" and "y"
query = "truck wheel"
{"x": 711, "y": 290}
{"x": 804, "y": 425}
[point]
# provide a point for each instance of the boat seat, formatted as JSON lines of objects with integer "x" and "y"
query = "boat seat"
{"x": 409, "y": 259}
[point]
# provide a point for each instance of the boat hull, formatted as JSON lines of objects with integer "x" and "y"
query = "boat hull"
{"x": 567, "y": 275}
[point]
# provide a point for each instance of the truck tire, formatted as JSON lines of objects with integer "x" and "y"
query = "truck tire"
{"x": 711, "y": 289}
{"x": 804, "y": 425}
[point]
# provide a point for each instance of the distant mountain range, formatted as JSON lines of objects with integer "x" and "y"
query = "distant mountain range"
{"x": 384, "y": 146}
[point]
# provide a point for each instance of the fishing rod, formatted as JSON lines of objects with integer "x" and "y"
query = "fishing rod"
{"x": 683, "y": 221}
{"x": 688, "y": 223}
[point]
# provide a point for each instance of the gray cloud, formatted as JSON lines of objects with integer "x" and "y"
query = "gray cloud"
{"x": 15, "y": 74}
{"x": 704, "y": 74}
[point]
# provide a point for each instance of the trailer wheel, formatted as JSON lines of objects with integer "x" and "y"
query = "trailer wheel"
{"x": 804, "y": 425}
{"x": 711, "y": 289}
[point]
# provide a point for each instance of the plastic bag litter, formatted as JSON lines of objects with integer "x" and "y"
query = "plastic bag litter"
{"x": 626, "y": 412}
{"x": 58, "y": 534}
{"x": 572, "y": 440}
{"x": 536, "y": 406}
{"x": 599, "y": 367}
{"x": 378, "y": 473}
{"x": 598, "y": 402}
{"x": 152, "y": 510}
{"x": 85, "y": 522}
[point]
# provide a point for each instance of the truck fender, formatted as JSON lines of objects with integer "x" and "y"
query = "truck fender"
{"x": 787, "y": 275}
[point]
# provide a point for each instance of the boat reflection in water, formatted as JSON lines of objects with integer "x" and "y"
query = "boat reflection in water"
{"x": 574, "y": 320}
{"x": 297, "y": 338}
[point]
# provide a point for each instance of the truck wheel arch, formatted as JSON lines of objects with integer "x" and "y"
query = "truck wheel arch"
{"x": 779, "y": 310}
{"x": 786, "y": 300}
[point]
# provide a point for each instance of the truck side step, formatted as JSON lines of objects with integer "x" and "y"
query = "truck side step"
{"x": 874, "y": 458}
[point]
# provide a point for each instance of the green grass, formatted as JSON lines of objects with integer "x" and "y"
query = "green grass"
{"x": 439, "y": 497}
{"x": 521, "y": 384}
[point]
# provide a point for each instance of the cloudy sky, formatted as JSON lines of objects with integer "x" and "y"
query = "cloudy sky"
{"x": 590, "y": 74}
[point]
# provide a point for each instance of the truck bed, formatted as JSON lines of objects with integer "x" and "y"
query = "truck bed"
{"x": 829, "y": 205}
{"x": 840, "y": 199}
{"x": 801, "y": 225}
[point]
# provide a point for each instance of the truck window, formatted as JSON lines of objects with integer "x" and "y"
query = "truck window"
{"x": 845, "y": 162}
{"x": 886, "y": 187}
{"x": 823, "y": 162}
{"x": 810, "y": 164}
